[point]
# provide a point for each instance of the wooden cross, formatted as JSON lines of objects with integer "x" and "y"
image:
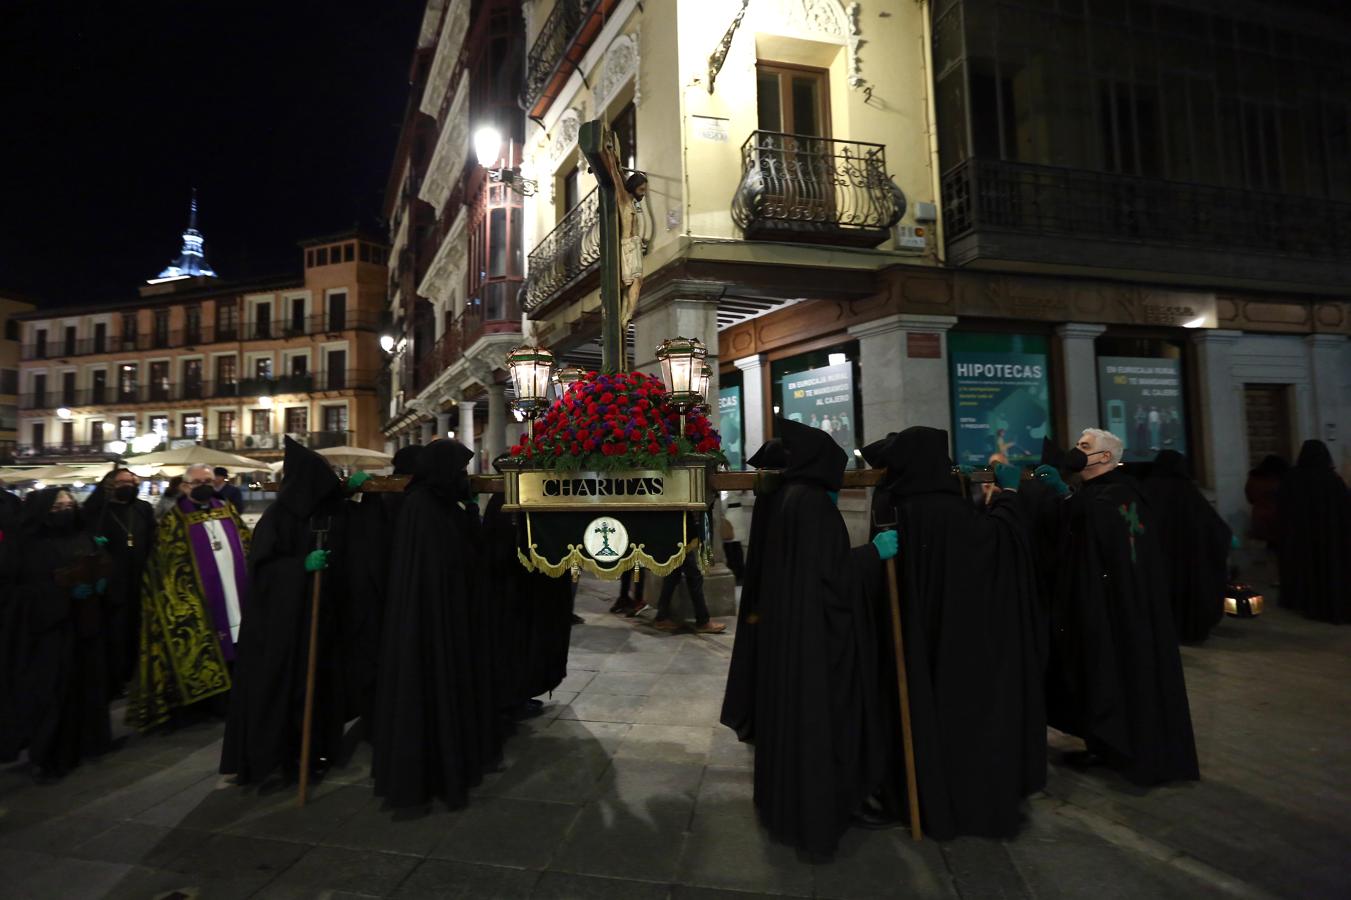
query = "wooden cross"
{"x": 594, "y": 139}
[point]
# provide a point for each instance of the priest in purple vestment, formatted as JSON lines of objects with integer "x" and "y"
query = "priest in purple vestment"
{"x": 193, "y": 599}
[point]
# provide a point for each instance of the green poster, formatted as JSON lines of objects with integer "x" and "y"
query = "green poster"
{"x": 823, "y": 398}
{"x": 1000, "y": 398}
{"x": 1142, "y": 403}
{"x": 729, "y": 424}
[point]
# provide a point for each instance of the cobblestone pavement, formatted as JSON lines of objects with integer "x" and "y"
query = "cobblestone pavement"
{"x": 628, "y": 788}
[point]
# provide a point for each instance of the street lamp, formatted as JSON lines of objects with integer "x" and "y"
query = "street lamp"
{"x": 530, "y": 368}
{"x": 566, "y": 377}
{"x": 63, "y": 413}
{"x": 682, "y": 363}
{"x": 488, "y": 150}
{"x": 705, "y": 379}
{"x": 387, "y": 343}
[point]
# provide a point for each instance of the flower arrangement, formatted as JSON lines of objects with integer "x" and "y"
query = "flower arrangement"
{"x": 620, "y": 421}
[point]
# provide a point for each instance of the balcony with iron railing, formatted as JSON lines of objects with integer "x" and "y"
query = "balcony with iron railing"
{"x": 177, "y": 391}
{"x": 315, "y": 440}
{"x": 562, "y": 42}
{"x": 205, "y": 334}
{"x": 1071, "y": 206}
{"x": 449, "y": 347}
{"x": 815, "y": 190}
{"x": 567, "y": 256}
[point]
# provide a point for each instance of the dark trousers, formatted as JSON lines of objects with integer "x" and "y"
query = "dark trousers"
{"x": 689, "y": 569}
{"x": 628, "y": 589}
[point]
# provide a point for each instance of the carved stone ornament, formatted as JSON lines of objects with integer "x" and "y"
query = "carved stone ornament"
{"x": 567, "y": 127}
{"x": 831, "y": 17}
{"x": 620, "y": 63}
{"x": 452, "y": 148}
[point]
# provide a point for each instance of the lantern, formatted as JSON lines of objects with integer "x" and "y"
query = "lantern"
{"x": 530, "y": 368}
{"x": 681, "y": 364}
{"x": 1242, "y": 601}
{"x": 488, "y": 146}
{"x": 705, "y": 379}
{"x": 568, "y": 376}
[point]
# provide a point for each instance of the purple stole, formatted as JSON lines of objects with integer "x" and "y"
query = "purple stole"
{"x": 208, "y": 575}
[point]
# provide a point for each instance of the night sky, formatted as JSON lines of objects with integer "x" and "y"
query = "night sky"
{"x": 284, "y": 115}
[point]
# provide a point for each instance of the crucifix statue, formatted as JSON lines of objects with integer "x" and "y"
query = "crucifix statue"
{"x": 621, "y": 244}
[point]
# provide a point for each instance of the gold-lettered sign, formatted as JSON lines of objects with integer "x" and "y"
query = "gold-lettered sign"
{"x": 681, "y": 488}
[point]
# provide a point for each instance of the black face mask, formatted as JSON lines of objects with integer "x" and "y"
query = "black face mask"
{"x": 124, "y": 493}
{"x": 202, "y": 493}
{"x": 1075, "y": 460}
{"x": 61, "y": 519}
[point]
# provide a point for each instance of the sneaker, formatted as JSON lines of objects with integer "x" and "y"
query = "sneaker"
{"x": 636, "y": 611}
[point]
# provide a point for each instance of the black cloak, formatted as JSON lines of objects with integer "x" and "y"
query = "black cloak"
{"x": 531, "y": 614}
{"x": 817, "y": 755}
{"x": 1315, "y": 537}
{"x": 1194, "y": 541}
{"x": 129, "y": 529}
{"x": 1116, "y": 675}
{"x": 974, "y": 645}
{"x": 738, "y": 703}
{"x": 10, "y": 512}
{"x": 263, "y": 728}
{"x": 436, "y": 731}
{"x": 53, "y": 669}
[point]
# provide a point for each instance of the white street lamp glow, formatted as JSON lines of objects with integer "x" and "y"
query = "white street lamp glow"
{"x": 387, "y": 342}
{"x": 265, "y": 402}
{"x": 117, "y": 448}
{"x": 144, "y": 443}
{"x": 488, "y": 146}
{"x": 63, "y": 413}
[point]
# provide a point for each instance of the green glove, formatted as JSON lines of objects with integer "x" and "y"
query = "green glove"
{"x": 1007, "y": 476}
{"x": 317, "y": 559}
{"x": 1051, "y": 476}
{"x": 357, "y": 479}
{"x": 887, "y": 544}
{"x": 100, "y": 541}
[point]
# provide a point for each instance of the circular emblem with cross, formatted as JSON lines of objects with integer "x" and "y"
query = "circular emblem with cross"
{"x": 606, "y": 539}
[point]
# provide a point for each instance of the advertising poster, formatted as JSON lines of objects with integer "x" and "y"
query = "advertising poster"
{"x": 823, "y": 398}
{"x": 729, "y": 425}
{"x": 1000, "y": 403}
{"x": 1142, "y": 403}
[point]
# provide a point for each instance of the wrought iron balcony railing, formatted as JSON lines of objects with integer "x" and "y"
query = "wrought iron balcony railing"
{"x": 815, "y": 190}
{"x": 551, "y": 46}
{"x": 338, "y": 320}
{"x": 991, "y": 195}
{"x": 567, "y": 253}
{"x": 176, "y": 391}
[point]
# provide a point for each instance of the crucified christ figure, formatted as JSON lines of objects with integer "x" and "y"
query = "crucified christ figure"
{"x": 629, "y": 204}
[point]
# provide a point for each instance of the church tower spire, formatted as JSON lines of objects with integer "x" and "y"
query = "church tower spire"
{"x": 191, "y": 261}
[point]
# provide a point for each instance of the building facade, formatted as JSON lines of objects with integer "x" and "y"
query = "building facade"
{"x": 10, "y": 329}
{"x": 197, "y": 360}
{"x": 1011, "y": 219}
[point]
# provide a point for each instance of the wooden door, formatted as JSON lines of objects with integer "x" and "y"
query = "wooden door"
{"x": 1267, "y": 413}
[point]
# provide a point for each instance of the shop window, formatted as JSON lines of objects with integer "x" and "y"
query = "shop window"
{"x": 817, "y": 389}
{"x": 730, "y": 424}
{"x": 1141, "y": 395}
{"x": 1000, "y": 395}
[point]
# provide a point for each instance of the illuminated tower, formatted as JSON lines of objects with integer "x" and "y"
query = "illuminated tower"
{"x": 191, "y": 261}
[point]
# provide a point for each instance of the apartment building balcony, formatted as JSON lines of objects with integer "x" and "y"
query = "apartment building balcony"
{"x": 1015, "y": 211}
{"x": 565, "y": 256}
{"x": 815, "y": 190}
{"x": 333, "y": 323}
{"x": 448, "y": 349}
{"x": 276, "y": 440}
{"x": 179, "y": 391}
{"x": 569, "y": 31}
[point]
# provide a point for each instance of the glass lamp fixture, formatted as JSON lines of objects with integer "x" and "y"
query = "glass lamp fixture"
{"x": 488, "y": 152}
{"x": 144, "y": 443}
{"x": 567, "y": 376}
{"x": 705, "y": 379}
{"x": 387, "y": 343}
{"x": 116, "y": 448}
{"x": 63, "y": 413}
{"x": 530, "y": 368}
{"x": 681, "y": 361}
{"x": 488, "y": 146}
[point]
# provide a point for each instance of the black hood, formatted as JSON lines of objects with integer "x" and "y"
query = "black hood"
{"x": 1271, "y": 464}
{"x": 917, "y": 462}
{"x": 36, "y": 506}
{"x": 872, "y": 453}
{"x": 1051, "y": 455}
{"x": 307, "y": 480}
{"x": 441, "y": 470}
{"x": 813, "y": 455}
{"x": 405, "y": 459}
{"x": 1170, "y": 464}
{"x": 771, "y": 455}
{"x": 1314, "y": 455}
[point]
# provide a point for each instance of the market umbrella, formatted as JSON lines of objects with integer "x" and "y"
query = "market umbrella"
{"x": 355, "y": 456}
{"x": 197, "y": 455}
{"x": 41, "y": 473}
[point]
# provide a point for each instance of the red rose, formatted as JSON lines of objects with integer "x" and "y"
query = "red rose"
{"x": 653, "y": 447}
{"x": 589, "y": 445}
{"x": 672, "y": 449}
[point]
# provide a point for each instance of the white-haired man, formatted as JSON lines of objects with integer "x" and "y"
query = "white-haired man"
{"x": 1116, "y": 676}
{"x": 192, "y": 602}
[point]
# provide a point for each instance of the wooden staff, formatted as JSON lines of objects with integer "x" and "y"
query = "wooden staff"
{"x": 903, "y": 687}
{"x": 307, "y": 722}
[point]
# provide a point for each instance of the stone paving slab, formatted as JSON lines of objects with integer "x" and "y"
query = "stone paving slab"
{"x": 627, "y": 787}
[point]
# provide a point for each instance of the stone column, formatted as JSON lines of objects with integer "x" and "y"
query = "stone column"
{"x": 1080, "y": 377}
{"x": 495, "y": 435}
{"x": 752, "y": 403}
{"x": 428, "y": 431}
{"x": 1330, "y": 372}
{"x": 904, "y": 384}
{"x": 465, "y": 433}
{"x": 1223, "y": 439}
{"x": 689, "y": 315}
{"x": 391, "y": 446}
{"x": 443, "y": 426}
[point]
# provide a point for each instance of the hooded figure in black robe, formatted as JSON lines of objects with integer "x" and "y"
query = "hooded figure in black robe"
{"x": 974, "y": 645}
{"x": 532, "y": 616}
{"x": 817, "y": 754}
{"x": 10, "y": 512}
{"x": 53, "y": 669}
{"x": 127, "y": 524}
{"x": 738, "y": 702}
{"x": 1195, "y": 545}
{"x": 1116, "y": 675}
{"x": 371, "y": 520}
{"x": 1314, "y": 513}
{"x": 437, "y": 730}
{"x": 263, "y": 728}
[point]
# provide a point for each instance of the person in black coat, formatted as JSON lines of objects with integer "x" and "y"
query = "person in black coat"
{"x": 817, "y": 751}
{"x": 436, "y": 731}
{"x": 1195, "y": 545}
{"x": 1314, "y": 513}
{"x": 10, "y": 511}
{"x": 53, "y": 670}
{"x": 263, "y": 727}
{"x": 127, "y": 526}
{"x": 974, "y": 645}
